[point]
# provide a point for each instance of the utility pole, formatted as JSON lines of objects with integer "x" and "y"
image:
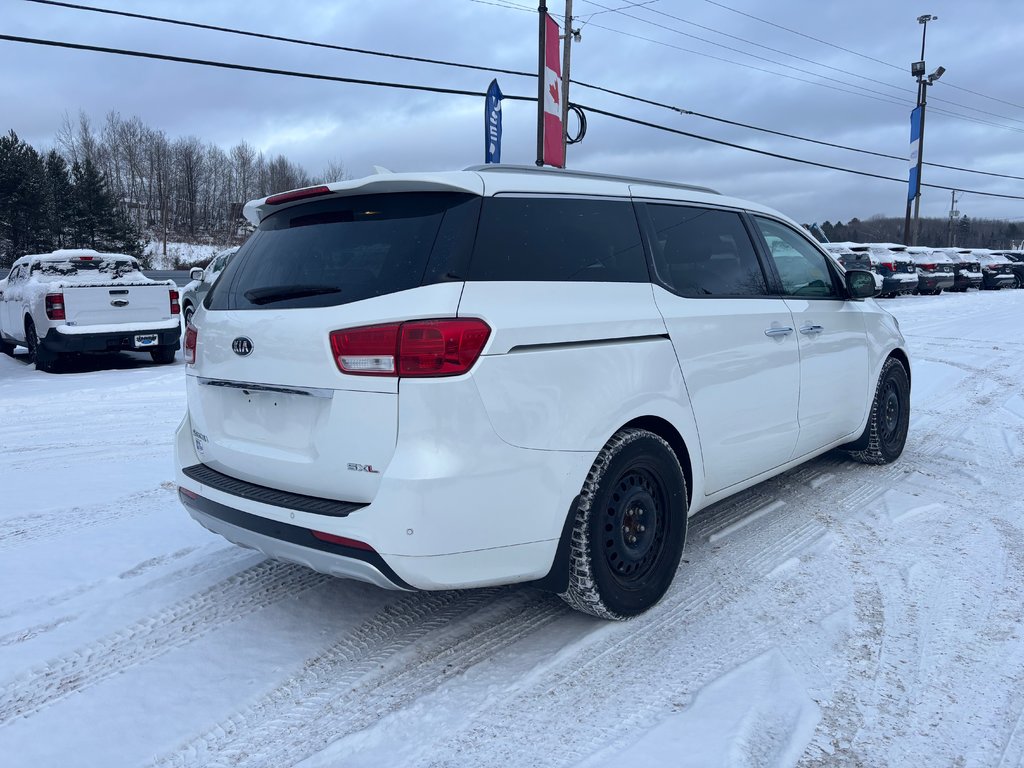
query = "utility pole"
{"x": 567, "y": 37}
{"x": 953, "y": 215}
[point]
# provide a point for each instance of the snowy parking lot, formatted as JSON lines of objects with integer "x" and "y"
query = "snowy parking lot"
{"x": 837, "y": 615}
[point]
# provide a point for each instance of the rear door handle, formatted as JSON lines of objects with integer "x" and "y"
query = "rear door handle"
{"x": 811, "y": 330}
{"x": 781, "y": 331}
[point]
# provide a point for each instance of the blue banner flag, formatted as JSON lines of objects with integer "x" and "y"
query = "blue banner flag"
{"x": 915, "y": 148}
{"x": 492, "y": 124}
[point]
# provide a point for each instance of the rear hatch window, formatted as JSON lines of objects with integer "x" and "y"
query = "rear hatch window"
{"x": 345, "y": 249}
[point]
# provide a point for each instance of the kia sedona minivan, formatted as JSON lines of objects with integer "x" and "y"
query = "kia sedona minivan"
{"x": 509, "y": 374}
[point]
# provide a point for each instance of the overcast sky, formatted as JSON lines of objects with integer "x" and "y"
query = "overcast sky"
{"x": 643, "y": 51}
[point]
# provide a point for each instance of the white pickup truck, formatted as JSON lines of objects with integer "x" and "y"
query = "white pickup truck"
{"x": 80, "y": 301}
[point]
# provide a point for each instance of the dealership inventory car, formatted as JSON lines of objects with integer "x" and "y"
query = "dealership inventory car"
{"x": 1017, "y": 265}
{"x": 996, "y": 269}
{"x": 509, "y": 374}
{"x": 202, "y": 280}
{"x": 898, "y": 270}
{"x": 966, "y": 269}
{"x": 935, "y": 270}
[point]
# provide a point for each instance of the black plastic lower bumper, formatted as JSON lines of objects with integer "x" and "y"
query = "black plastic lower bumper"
{"x": 64, "y": 343}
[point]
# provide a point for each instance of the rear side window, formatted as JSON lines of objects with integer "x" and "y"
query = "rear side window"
{"x": 341, "y": 250}
{"x": 558, "y": 239}
{"x": 705, "y": 252}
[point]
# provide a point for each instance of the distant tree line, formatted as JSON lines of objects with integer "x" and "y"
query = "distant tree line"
{"x": 937, "y": 233}
{"x": 115, "y": 187}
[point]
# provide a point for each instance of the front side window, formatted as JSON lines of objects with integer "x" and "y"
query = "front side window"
{"x": 802, "y": 268}
{"x": 705, "y": 252}
{"x": 558, "y": 239}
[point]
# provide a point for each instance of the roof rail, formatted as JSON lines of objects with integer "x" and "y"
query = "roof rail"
{"x": 508, "y": 168}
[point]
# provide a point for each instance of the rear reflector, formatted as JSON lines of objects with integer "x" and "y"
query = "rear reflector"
{"x": 416, "y": 348}
{"x": 175, "y": 306}
{"x": 55, "y": 306}
{"x": 341, "y": 541}
{"x": 186, "y": 492}
{"x": 297, "y": 194}
{"x": 191, "y": 342}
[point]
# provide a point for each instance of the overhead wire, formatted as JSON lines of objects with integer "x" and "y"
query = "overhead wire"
{"x": 785, "y": 53}
{"x": 460, "y": 92}
{"x": 853, "y": 52}
{"x": 260, "y": 35}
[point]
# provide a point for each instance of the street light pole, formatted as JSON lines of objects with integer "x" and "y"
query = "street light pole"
{"x": 917, "y": 69}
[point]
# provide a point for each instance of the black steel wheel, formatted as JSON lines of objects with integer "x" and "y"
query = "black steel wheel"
{"x": 885, "y": 435}
{"x": 629, "y": 529}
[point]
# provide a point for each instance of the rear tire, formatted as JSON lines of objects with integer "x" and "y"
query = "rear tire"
{"x": 163, "y": 355}
{"x": 629, "y": 529}
{"x": 45, "y": 361}
{"x": 885, "y": 435}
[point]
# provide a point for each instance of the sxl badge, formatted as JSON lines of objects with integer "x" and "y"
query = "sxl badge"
{"x": 363, "y": 468}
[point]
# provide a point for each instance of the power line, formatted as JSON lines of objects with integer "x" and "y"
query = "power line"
{"x": 500, "y": 3}
{"x": 829, "y": 66}
{"x": 761, "y": 129}
{"x": 855, "y": 53}
{"x": 276, "y": 38}
{"x": 458, "y": 92}
{"x": 259, "y": 35}
{"x": 783, "y": 64}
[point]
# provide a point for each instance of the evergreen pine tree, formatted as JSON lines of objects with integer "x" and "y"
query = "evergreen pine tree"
{"x": 96, "y": 220}
{"x": 23, "y": 200}
{"x": 58, "y": 181}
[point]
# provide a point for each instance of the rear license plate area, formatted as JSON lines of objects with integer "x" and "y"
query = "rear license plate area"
{"x": 143, "y": 340}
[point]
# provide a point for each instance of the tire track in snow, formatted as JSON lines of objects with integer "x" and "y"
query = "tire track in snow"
{"x": 244, "y": 593}
{"x": 343, "y": 689}
{"x": 27, "y": 528}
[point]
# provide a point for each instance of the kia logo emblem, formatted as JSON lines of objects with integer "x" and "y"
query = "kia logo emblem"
{"x": 242, "y": 346}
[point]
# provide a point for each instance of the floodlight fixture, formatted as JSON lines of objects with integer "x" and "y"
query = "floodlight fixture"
{"x": 936, "y": 75}
{"x": 926, "y": 18}
{"x": 917, "y": 69}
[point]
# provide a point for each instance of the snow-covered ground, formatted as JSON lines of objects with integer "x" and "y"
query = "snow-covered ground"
{"x": 838, "y": 615}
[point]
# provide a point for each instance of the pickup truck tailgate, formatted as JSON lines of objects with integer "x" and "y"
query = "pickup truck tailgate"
{"x": 116, "y": 304}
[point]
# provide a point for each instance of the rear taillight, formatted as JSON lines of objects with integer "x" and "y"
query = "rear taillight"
{"x": 887, "y": 265}
{"x": 55, "y": 306}
{"x": 191, "y": 341}
{"x": 414, "y": 348}
{"x": 175, "y": 306}
{"x": 929, "y": 267}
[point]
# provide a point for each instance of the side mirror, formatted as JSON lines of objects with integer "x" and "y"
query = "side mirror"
{"x": 196, "y": 273}
{"x": 861, "y": 284}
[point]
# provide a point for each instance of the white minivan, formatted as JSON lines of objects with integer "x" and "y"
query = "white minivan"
{"x": 509, "y": 374}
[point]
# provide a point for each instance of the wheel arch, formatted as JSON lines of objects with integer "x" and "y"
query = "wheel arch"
{"x": 667, "y": 432}
{"x": 901, "y": 355}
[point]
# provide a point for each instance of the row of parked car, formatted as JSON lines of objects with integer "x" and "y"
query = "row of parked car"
{"x": 930, "y": 271}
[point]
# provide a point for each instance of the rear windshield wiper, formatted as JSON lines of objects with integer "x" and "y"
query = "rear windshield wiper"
{"x": 274, "y": 293}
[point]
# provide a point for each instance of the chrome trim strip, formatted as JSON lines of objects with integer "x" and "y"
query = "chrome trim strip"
{"x": 249, "y": 386}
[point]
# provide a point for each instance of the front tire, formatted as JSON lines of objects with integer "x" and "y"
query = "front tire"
{"x": 630, "y": 526}
{"x": 187, "y": 311}
{"x": 885, "y": 435}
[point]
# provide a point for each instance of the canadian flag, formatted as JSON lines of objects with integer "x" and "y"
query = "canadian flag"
{"x": 554, "y": 152}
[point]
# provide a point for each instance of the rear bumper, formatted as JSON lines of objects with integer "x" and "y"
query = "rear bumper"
{"x": 964, "y": 282}
{"x": 899, "y": 283}
{"x": 458, "y": 510}
{"x": 291, "y": 543}
{"x": 997, "y": 281}
{"x": 63, "y": 343}
{"x": 931, "y": 282}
